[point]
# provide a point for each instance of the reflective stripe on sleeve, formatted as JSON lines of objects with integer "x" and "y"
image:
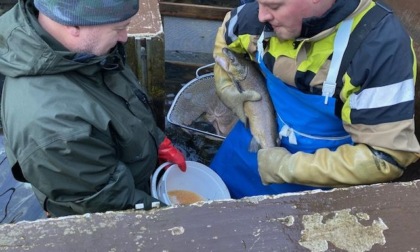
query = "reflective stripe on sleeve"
{"x": 383, "y": 96}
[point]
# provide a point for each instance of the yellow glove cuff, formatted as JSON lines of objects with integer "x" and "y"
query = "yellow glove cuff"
{"x": 348, "y": 165}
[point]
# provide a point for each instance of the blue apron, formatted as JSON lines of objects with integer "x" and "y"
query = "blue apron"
{"x": 306, "y": 123}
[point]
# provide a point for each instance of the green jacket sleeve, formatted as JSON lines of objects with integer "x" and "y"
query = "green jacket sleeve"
{"x": 82, "y": 174}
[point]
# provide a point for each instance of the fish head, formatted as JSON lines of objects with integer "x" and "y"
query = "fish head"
{"x": 233, "y": 63}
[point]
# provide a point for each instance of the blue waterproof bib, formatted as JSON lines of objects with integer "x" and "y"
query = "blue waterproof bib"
{"x": 306, "y": 123}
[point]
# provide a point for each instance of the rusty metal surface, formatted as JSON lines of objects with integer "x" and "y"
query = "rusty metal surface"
{"x": 366, "y": 218}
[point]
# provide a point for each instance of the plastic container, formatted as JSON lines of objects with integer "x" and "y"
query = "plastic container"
{"x": 198, "y": 179}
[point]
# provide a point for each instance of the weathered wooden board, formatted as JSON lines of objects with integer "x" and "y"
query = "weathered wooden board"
{"x": 382, "y": 217}
{"x": 147, "y": 21}
{"x": 146, "y": 54}
{"x": 193, "y": 11}
{"x": 220, "y": 3}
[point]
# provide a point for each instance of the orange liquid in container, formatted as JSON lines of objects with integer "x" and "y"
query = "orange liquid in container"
{"x": 183, "y": 197}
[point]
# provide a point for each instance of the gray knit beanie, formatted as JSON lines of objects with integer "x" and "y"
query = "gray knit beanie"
{"x": 87, "y": 12}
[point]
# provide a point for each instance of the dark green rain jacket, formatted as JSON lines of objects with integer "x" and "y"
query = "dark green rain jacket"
{"x": 82, "y": 137}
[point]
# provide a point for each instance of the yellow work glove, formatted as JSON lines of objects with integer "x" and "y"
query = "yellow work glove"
{"x": 230, "y": 95}
{"x": 348, "y": 165}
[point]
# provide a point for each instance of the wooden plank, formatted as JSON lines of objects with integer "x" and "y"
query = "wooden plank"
{"x": 156, "y": 76}
{"x": 193, "y": 11}
{"x": 146, "y": 58}
{"x": 220, "y": 3}
{"x": 145, "y": 55}
{"x": 381, "y": 217}
{"x": 147, "y": 21}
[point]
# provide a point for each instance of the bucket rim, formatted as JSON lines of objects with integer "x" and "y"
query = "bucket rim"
{"x": 223, "y": 190}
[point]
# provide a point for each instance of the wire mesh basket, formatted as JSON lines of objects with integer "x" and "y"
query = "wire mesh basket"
{"x": 197, "y": 109}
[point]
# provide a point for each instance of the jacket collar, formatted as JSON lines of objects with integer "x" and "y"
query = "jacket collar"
{"x": 337, "y": 13}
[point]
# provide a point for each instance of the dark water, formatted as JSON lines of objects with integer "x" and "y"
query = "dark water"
{"x": 194, "y": 146}
{"x": 17, "y": 201}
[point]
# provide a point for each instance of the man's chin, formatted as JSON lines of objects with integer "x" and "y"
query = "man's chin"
{"x": 284, "y": 36}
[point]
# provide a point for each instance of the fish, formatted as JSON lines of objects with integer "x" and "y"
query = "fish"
{"x": 261, "y": 116}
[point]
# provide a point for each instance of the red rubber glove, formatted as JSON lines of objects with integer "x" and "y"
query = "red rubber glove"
{"x": 168, "y": 153}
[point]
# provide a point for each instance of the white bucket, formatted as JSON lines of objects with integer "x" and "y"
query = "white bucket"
{"x": 198, "y": 179}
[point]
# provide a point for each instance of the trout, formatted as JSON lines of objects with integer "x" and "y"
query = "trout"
{"x": 261, "y": 117}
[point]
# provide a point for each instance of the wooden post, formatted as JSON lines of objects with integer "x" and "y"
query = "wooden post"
{"x": 146, "y": 54}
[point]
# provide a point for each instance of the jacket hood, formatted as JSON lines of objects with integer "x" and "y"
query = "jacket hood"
{"x": 26, "y": 49}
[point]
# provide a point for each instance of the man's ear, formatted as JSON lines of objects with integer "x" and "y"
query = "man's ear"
{"x": 73, "y": 30}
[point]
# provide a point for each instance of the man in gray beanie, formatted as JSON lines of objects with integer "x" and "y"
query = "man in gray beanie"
{"x": 76, "y": 124}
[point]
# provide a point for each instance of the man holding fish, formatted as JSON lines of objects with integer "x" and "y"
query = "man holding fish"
{"x": 340, "y": 75}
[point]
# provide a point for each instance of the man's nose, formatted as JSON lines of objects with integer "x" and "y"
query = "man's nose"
{"x": 123, "y": 36}
{"x": 263, "y": 14}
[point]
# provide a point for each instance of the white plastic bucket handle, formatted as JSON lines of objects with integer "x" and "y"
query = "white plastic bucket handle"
{"x": 154, "y": 179}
